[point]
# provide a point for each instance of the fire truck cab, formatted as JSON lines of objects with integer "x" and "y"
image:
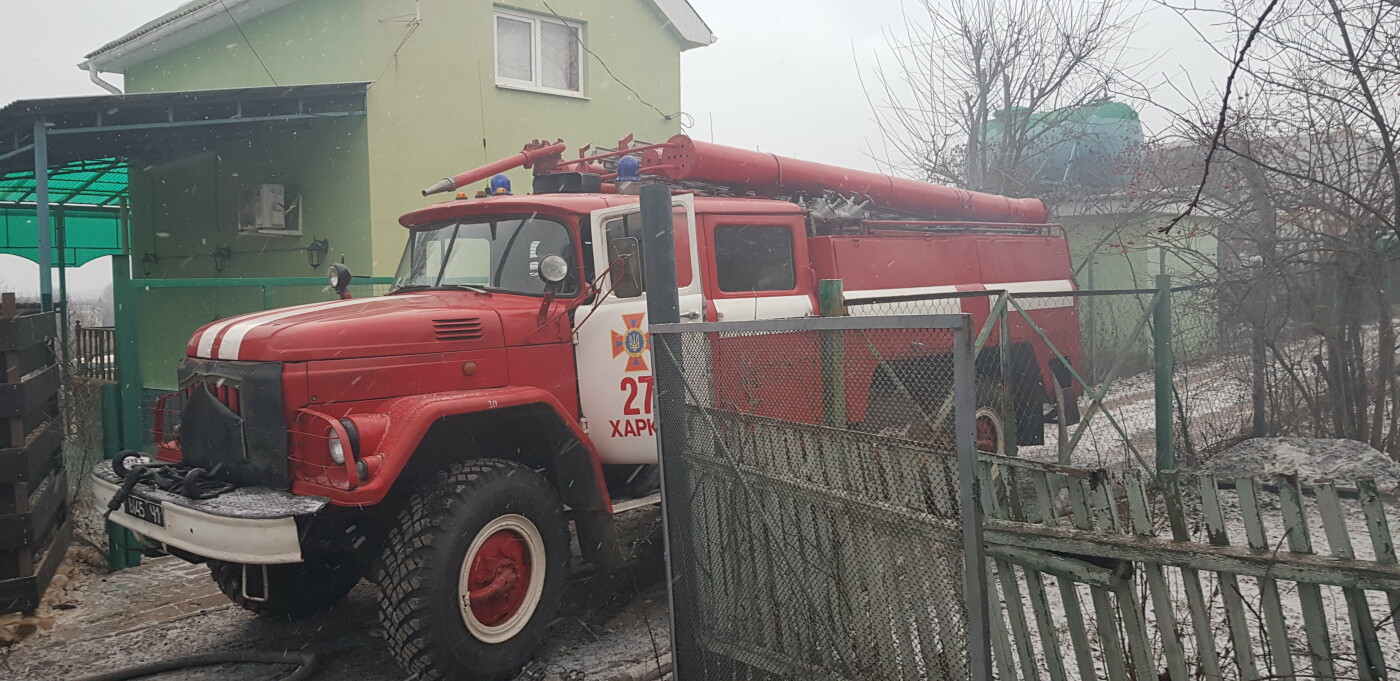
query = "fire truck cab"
{"x": 438, "y": 439}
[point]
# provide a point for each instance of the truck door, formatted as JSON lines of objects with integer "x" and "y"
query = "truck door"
{"x": 758, "y": 267}
{"x": 613, "y": 353}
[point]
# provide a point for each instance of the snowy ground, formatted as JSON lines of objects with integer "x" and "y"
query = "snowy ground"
{"x": 609, "y": 626}
{"x": 1216, "y": 403}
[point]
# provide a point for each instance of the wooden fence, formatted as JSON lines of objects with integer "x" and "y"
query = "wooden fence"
{"x": 95, "y": 352}
{"x": 816, "y": 553}
{"x": 34, "y": 522}
{"x": 1187, "y": 577}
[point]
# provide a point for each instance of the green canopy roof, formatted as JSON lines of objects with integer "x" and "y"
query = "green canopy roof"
{"x": 84, "y": 193}
{"x": 99, "y": 182}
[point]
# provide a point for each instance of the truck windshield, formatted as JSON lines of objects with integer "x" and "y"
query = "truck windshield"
{"x": 497, "y": 254}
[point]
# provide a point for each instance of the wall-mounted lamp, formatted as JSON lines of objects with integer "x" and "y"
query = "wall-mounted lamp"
{"x": 221, "y": 256}
{"x": 316, "y": 252}
{"x": 148, "y": 262}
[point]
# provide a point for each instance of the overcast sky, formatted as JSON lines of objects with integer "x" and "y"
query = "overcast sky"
{"x": 782, "y": 78}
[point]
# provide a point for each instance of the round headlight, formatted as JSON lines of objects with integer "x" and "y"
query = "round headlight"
{"x": 337, "y": 450}
{"x": 338, "y": 276}
{"x": 554, "y": 268}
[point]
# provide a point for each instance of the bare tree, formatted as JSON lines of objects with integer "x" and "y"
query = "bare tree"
{"x": 1312, "y": 139}
{"x": 971, "y": 88}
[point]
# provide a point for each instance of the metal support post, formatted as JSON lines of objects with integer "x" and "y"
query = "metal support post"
{"x": 126, "y": 309}
{"x": 1008, "y": 430}
{"x": 1162, "y": 353}
{"x": 41, "y": 210}
{"x": 659, "y": 256}
{"x": 979, "y": 645}
{"x": 61, "y": 233}
{"x": 663, "y": 307}
{"x": 123, "y": 551}
{"x": 124, "y": 227}
{"x": 831, "y": 299}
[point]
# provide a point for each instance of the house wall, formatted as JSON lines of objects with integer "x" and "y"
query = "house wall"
{"x": 183, "y": 210}
{"x": 1126, "y": 252}
{"x": 433, "y": 110}
{"x": 437, "y": 111}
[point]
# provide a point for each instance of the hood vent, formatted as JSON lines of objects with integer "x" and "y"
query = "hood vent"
{"x": 465, "y": 329}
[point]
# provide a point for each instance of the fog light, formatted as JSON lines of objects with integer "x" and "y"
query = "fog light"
{"x": 337, "y": 450}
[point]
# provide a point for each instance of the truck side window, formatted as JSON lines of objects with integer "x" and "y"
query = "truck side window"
{"x": 754, "y": 258}
{"x": 623, "y": 236}
{"x": 625, "y": 255}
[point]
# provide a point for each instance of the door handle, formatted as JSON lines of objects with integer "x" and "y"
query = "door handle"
{"x": 693, "y": 314}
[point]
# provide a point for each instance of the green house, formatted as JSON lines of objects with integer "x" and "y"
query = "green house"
{"x": 446, "y": 87}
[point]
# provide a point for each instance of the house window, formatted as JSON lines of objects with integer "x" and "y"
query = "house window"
{"x": 538, "y": 53}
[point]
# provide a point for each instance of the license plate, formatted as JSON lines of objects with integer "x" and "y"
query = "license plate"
{"x": 149, "y": 511}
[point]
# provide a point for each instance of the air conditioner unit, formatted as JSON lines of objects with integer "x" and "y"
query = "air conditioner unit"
{"x": 264, "y": 211}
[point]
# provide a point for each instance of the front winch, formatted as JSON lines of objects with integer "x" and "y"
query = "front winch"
{"x": 187, "y": 481}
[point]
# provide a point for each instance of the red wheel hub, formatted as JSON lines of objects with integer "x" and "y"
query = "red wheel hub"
{"x": 988, "y": 435}
{"x": 499, "y": 578}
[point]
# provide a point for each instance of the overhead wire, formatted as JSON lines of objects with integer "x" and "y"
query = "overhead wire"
{"x": 601, "y": 62}
{"x": 413, "y": 25}
{"x": 248, "y": 42}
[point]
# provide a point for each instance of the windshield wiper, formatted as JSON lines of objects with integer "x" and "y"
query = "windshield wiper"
{"x": 467, "y": 287}
{"x": 425, "y": 287}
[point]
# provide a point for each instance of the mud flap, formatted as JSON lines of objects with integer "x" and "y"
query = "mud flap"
{"x": 597, "y": 539}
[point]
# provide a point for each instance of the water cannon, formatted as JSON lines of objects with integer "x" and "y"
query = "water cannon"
{"x": 848, "y": 194}
{"x": 682, "y": 159}
{"x": 536, "y": 152}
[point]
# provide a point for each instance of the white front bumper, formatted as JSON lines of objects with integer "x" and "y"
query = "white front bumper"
{"x": 235, "y": 539}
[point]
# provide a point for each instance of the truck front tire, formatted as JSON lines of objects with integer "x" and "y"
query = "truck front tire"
{"x": 474, "y": 572}
{"x": 293, "y": 590}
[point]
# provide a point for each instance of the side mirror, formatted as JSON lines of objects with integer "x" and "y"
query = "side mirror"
{"x": 339, "y": 277}
{"x": 553, "y": 269}
{"x": 627, "y": 274}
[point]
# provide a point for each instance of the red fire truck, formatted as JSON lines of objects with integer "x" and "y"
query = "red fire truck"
{"x": 438, "y": 439}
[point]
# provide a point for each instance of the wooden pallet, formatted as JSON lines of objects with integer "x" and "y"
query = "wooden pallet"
{"x": 35, "y": 526}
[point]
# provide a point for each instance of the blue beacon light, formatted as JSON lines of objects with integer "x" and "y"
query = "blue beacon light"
{"x": 629, "y": 169}
{"x": 500, "y": 185}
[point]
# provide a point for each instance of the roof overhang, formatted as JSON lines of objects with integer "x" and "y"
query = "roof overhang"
{"x": 686, "y": 22}
{"x": 199, "y": 19}
{"x": 163, "y": 124}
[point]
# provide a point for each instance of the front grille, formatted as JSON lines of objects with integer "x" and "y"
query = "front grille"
{"x": 465, "y": 329}
{"x": 227, "y": 395}
{"x": 232, "y": 420}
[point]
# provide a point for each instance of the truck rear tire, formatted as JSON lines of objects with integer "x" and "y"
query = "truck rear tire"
{"x": 294, "y": 589}
{"x": 991, "y": 416}
{"x": 474, "y": 572}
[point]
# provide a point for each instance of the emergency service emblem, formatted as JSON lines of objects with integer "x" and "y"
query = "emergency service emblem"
{"x": 633, "y": 342}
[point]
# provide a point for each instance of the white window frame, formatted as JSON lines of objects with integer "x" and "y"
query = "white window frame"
{"x": 534, "y": 84}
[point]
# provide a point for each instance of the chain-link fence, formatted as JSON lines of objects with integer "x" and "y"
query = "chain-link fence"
{"x": 1072, "y": 376}
{"x": 815, "y": 500}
